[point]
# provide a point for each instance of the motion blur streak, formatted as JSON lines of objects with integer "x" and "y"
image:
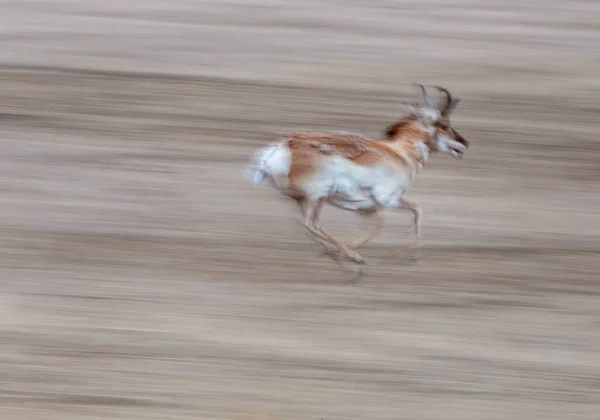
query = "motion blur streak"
{"x": 143, "y": 277}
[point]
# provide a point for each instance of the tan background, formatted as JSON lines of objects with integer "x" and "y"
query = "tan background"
{"x": 143, "y": 278}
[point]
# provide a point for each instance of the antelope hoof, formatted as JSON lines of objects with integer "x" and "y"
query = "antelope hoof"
{"x": 355, "y": 257}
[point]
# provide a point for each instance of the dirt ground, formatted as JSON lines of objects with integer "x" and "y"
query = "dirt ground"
{"x": 142, "y": 277}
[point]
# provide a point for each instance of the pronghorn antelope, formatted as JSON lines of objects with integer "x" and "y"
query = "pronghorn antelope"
{"x": 355, "y": 173}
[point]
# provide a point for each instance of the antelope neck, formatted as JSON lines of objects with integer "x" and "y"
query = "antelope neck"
{"x": 414, "y": 151}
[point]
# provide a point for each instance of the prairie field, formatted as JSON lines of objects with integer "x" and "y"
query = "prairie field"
{"x": 143, "y": 277}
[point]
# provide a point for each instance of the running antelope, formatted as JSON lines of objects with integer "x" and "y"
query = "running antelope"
{"x": 355, "y": 173}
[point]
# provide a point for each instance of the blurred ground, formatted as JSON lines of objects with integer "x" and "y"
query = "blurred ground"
{"x": 144, "y": 278}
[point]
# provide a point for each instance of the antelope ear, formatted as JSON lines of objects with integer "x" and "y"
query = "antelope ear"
{"x": 409, "y": 107}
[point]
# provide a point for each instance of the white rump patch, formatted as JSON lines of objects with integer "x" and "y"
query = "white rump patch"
{"x": 272, "y": 161}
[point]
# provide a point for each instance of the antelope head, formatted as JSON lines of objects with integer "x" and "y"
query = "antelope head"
{"x": 444, "y": 138}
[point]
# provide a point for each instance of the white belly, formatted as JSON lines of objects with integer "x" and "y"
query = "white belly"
{"x": 346, "y": 194}
{"x": 344, "y": 203}
{"x": 352, "y": 187}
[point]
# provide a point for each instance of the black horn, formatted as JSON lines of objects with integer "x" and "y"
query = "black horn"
{"x": 426, "y": 100}
{"x": 449, "y": 106}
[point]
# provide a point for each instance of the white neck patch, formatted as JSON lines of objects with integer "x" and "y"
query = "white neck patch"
{"x": 423, "y": 149}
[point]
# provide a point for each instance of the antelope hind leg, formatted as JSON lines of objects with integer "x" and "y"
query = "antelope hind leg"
{"x": 311, "y": 223}
{"x": 368, "y": 236}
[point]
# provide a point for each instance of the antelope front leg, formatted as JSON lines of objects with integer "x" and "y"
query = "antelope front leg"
{"x": 313, "y": 218}
{"x": 418, "y": 214}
